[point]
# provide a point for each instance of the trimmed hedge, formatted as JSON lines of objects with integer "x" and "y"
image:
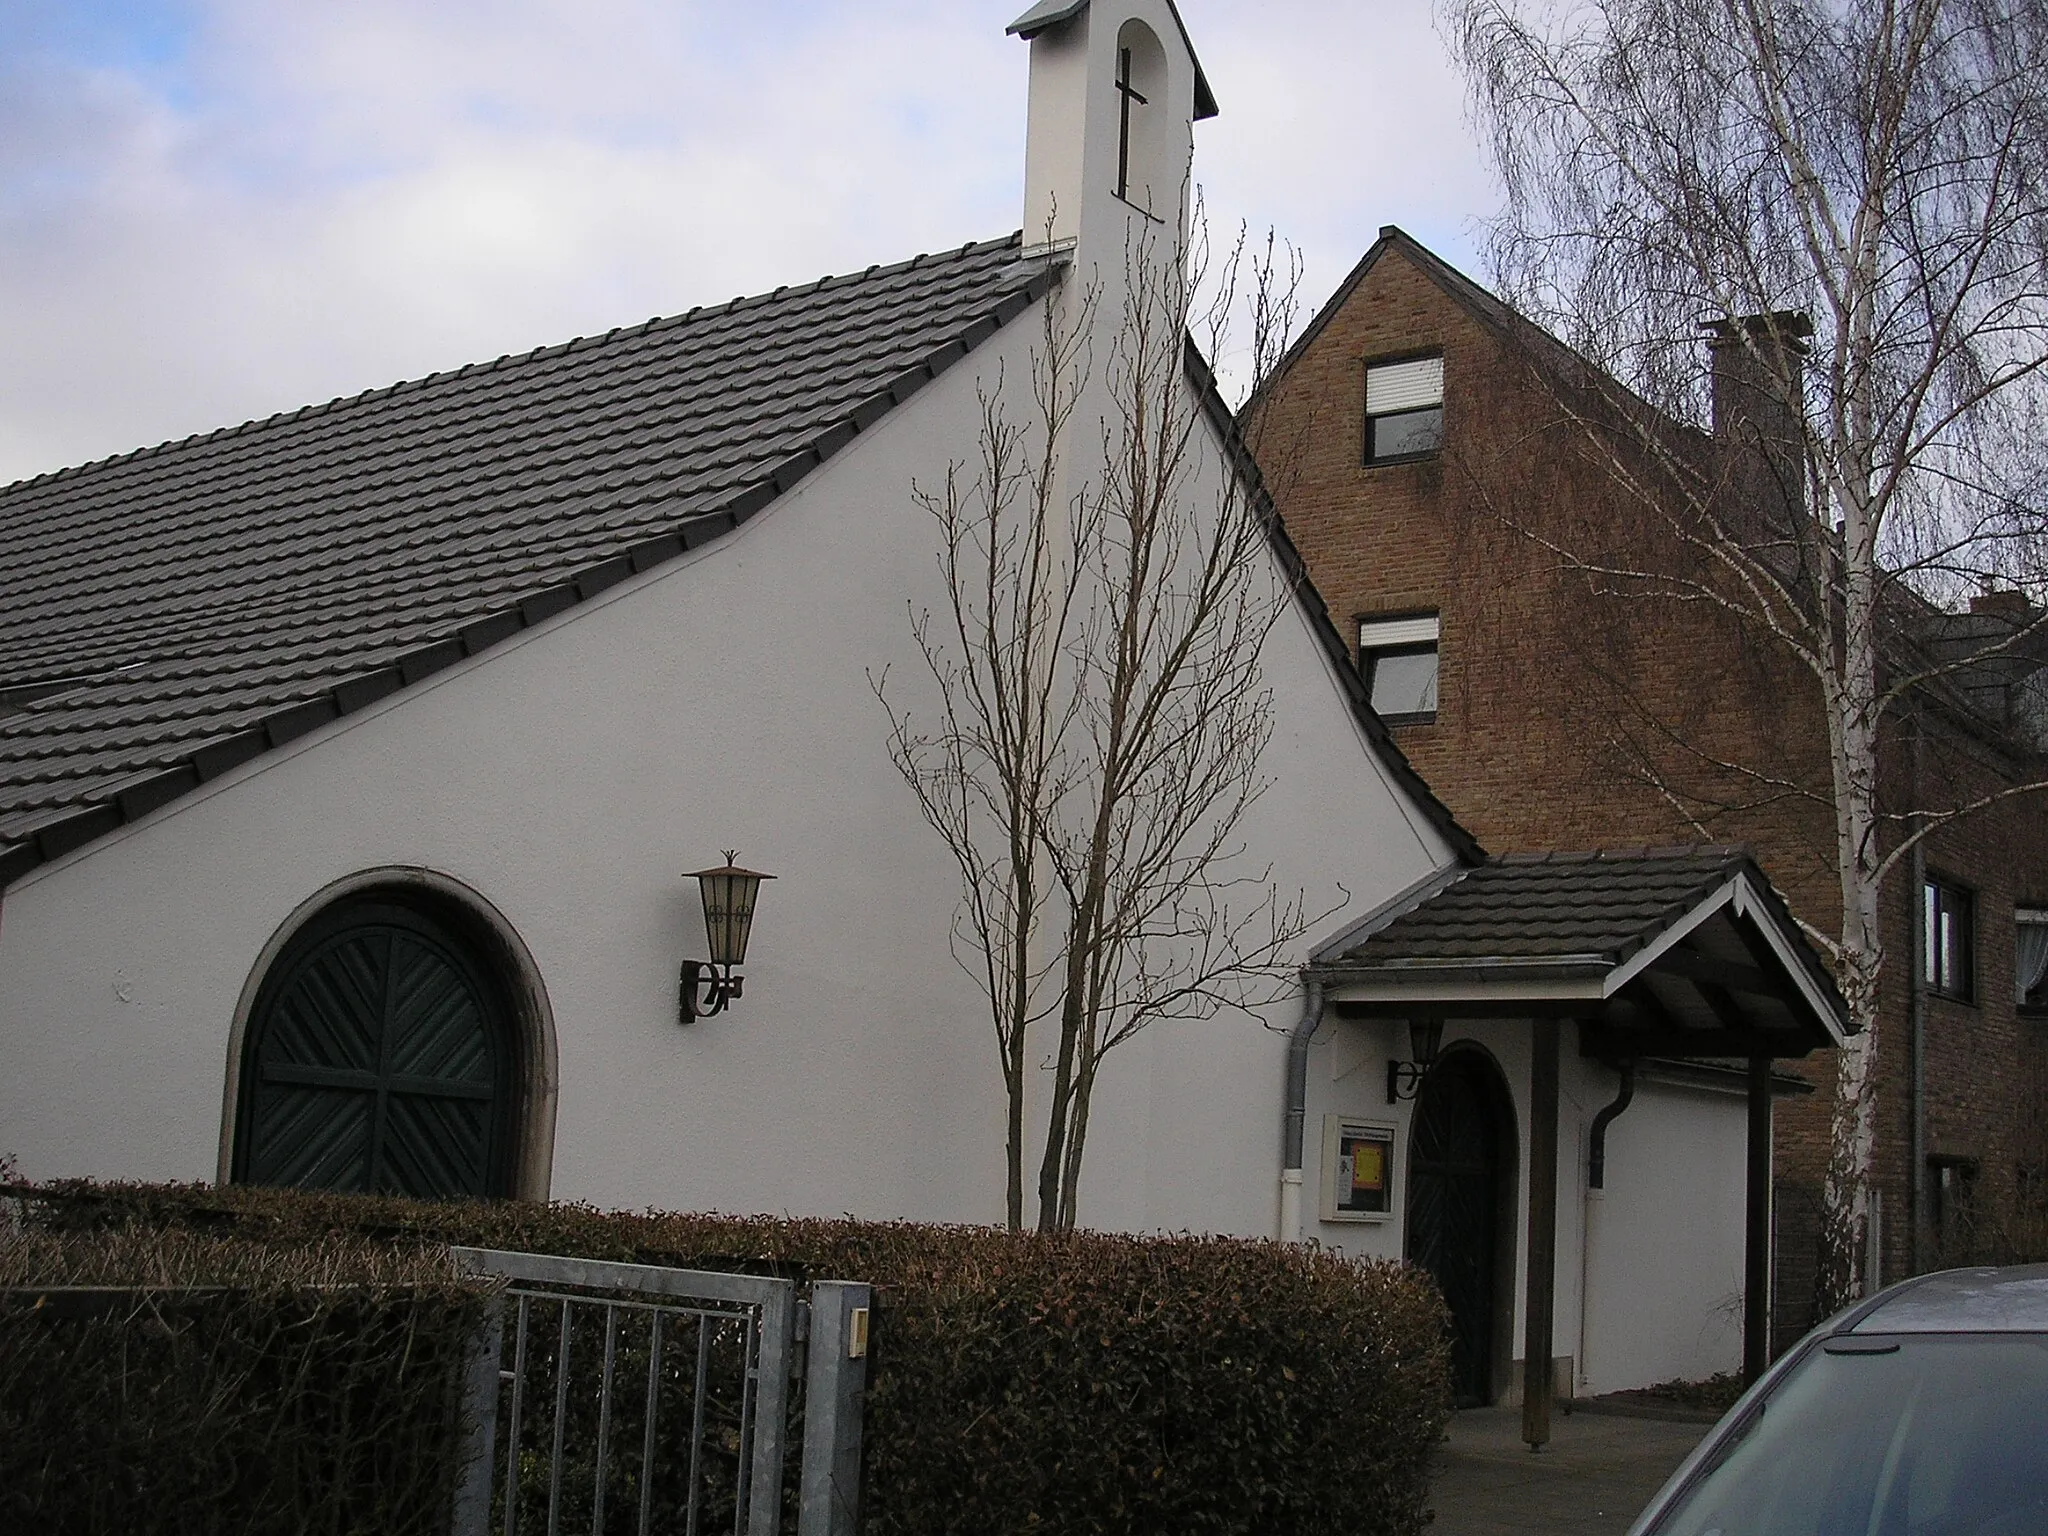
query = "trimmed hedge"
{"x": 162, "y": 1382}
{"x": 1020, "y": 1383}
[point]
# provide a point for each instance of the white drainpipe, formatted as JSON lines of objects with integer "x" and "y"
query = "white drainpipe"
{"x": 1296, "y": 1109}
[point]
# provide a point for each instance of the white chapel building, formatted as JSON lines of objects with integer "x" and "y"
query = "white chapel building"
{"x": 350, "y": 761}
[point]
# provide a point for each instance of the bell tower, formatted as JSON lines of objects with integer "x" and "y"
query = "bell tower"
{"x": 1115, "y": 93}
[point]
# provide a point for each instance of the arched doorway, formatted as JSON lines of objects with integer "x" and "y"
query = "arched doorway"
{"x": 1460, "y": 1219}
{"x": 381, "y": 1055}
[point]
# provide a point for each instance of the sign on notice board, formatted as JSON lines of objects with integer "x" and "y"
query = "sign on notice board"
{"x": 1358, "y": 1169}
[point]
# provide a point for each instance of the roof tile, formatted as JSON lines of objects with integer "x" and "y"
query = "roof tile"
{"x": 1546, "y": 907}
{"x": 235, "y": 588}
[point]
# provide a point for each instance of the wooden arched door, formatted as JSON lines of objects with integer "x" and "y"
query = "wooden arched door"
{"x": 1457, "y": 1148}
{"x": 380, "y": 1056}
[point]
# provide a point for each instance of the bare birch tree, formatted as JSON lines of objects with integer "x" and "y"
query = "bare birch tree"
{"x": 1097, "y": 715}
{"x": 1880, "y": 168}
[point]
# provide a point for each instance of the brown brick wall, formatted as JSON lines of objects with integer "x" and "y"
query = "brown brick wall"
{"x": 1556, "y": 694}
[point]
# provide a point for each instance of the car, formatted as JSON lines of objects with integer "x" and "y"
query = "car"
{"x": 1922, "y": 1411}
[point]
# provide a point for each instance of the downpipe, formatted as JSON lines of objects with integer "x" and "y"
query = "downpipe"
{"x": 1292, "y": 1120}
{"x": 1916, "y": 1006}
{"x": 1596, "y": 1156}
{"x": 1596, "y": 1195}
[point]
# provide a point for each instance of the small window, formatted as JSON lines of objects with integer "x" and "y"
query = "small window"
{"x": 1946, "y": 940}
{"x": 1398, "y": 658}
{"x": 1358, "y": 1170}
{"x": 2030, "y": 958}
{"x": 1404, "y": 409}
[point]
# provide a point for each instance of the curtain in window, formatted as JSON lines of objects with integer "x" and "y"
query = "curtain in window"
{"x": 2032, "y": 967}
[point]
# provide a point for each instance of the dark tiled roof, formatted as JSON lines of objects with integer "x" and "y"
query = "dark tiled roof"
{"x": 171, "y": 613}
{"x": 1554, "y": 909}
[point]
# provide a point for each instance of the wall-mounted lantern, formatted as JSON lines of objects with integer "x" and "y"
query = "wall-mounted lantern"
{"x": 729, "y": 893}
{"x": 1404, "y": 1078}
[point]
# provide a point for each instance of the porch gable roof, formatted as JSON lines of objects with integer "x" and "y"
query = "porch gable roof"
{"x": 1666, "y": 951}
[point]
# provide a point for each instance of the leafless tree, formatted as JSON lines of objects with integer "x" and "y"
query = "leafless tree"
{"x": 1879, "y": 167}
{"x": 1097, "y": 715}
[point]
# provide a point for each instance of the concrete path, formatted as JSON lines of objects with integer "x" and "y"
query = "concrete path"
{"x": 1593, "y": 1478}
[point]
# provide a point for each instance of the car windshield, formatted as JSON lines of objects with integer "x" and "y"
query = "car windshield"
{"x": 1907, "y": 1435}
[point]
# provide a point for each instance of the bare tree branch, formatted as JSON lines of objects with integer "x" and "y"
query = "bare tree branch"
{"x": 1098, "y": 712}
{"x": 1880, "y": 166}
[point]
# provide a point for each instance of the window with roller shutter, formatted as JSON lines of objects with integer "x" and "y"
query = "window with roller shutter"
{"x": 1398, "y": 659}
{"x": 1404, "y": 409}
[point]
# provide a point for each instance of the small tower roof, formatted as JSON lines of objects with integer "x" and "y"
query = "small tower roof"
{"x": 1050, "y": 13}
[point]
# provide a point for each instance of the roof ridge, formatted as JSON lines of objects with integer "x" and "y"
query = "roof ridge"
{"x": 1485, "y": 307}
{"x": 284, "y": 417}
{"x": 1619, "y": 854}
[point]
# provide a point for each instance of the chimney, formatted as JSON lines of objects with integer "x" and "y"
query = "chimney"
{"x": 2005, "y": 605}
{"x": 1109, "y": 144}
{"x": 1759, "y": 386}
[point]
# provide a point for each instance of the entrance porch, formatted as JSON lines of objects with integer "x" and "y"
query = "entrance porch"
{"x": 1664, "y": 980}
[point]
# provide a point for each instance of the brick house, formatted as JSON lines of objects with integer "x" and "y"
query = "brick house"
{"x": 1423, "y": 467}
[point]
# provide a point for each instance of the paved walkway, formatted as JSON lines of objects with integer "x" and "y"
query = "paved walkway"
{"x": 1593, "y": 1478}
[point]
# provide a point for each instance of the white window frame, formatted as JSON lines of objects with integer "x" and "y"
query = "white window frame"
{"x": 1957, "y": 982}
{"x": 1399, "y": 387}
{"x": 2031, "y": 921}
{"x": 1408, "y": 635}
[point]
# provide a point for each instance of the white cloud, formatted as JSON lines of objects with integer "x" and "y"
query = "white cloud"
{"x": 293, "y": 201}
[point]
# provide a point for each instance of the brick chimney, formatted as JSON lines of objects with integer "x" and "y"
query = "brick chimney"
{"x": 2005, "y": 605}
{"x": 1759, "y": 384}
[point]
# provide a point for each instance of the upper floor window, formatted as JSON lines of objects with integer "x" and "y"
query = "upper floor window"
{"x": 1398, "y": 658}
{"x": 1946, "y": 941}
{"x": 1404, "y": 409}
{"x": 2030, "y": 957}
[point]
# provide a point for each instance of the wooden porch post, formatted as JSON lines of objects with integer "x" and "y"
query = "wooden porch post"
{"x": 1542, "y": 1289}
{"x": 1756, "y": 1257}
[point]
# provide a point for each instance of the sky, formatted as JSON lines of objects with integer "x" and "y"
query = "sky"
{"x": 214, "y": 210}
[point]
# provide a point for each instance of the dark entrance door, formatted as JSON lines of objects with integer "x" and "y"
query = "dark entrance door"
{"x": 379, "y": 1058}
{"x": 1454, "y": 1168}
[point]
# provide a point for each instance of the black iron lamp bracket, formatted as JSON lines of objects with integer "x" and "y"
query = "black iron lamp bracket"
{"x": 1404, "y": 1079}
{"x": 718, "y": 984}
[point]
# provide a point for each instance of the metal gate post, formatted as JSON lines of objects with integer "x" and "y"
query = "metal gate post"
{"x": 835, "y": 1388}
{"x": 771, "y": 1409}
{"x": 477, "y": 1431}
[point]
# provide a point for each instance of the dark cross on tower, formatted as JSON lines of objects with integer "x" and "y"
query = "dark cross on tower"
{"x": 1126, "y": 96}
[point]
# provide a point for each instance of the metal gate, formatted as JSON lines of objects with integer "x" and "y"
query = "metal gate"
{"x": 630, "y": 1400}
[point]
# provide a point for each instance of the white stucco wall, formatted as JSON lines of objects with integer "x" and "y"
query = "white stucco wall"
{"x": 1659, "y": 1285}
{"x": 1664, "y": 1268}
{"x": 566, "y": 778}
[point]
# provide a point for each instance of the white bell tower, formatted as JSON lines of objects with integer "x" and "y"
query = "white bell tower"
{"x": 1115, "y": 93}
